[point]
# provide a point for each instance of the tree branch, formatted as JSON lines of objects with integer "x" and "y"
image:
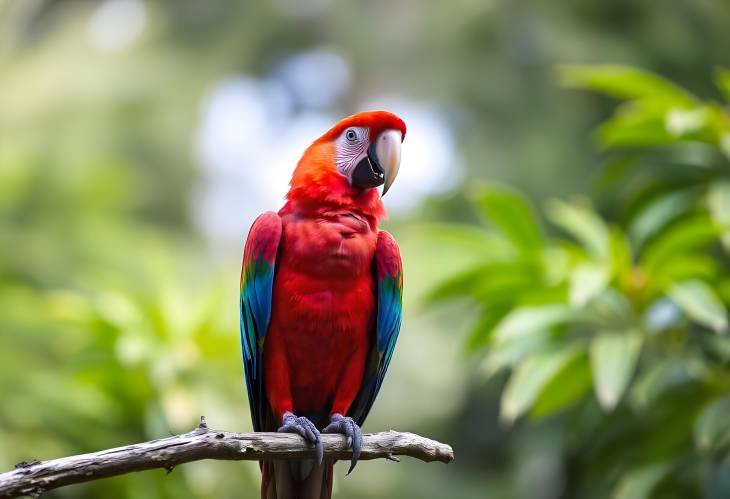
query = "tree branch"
{"x": 205, "y": 443}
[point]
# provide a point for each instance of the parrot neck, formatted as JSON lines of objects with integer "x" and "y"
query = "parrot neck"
{"x": 317, "y": 187}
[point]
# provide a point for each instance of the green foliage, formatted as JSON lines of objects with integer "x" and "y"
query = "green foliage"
{"x": 654, "y": 111}
{"x": 632, "y": 303}
{"x": 115, "y": 325}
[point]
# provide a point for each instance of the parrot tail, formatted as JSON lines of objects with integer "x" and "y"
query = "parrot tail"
{"x": 296, "y": 479}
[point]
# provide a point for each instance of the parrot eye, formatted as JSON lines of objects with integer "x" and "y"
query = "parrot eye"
{"x": 351, "y": 135}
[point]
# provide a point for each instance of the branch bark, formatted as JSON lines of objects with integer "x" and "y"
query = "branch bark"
{"x": 32, "y": 479}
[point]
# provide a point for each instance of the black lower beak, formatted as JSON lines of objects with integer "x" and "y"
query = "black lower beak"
{"x": 368, "y": 172}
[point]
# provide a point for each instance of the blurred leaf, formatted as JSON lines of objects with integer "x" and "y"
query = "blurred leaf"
{"x": 558, "y": 262}
{"x": 620, "y": 251}
{"x": 636, "y": 124}
{"x": 526, "y": 383}
{"x": 459, "y": 285}
{"x": 661, "y": 315}
{"x": 613, "y": 357}
{"x": 701, "y": 304}
{"x": 569, "y": 385}
{"x": 610, "y": 309}
{"x": 474, "y": 240}
{"x": 614, "y": 170}
{"x": 649, "y": 123}
{"x": 625, "y": 82}
{"x": 658, "y": 213}
{"x": 722, "y": 80}
{"x": 718, "y": 200}
{"x": 712, "y": 426}
{"x": 493, "y": 283}
{"x": 507, "y": 354}
{"x": 724, "y": 144}
{"x": 676, "y": 241}
{"x": 523, "y": 321}
{"x": 720, "y": 346}
{"x": 684, "y": 267}
{"x": 587, "y": 281}
{"x": 639, "y": 484}
{"x": 511, "y": 214}
{"x": 682, "y": 122}
{"x": 481, "y": 332}
{"x": 583, "y": 224}
{"x": 662, "y": 376}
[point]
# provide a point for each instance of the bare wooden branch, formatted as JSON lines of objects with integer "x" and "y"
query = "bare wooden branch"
{"x": 34, "y": 478}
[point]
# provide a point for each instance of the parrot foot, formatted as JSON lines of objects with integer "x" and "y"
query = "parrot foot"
{"x": 304, "y": 427}
{"x": 347, "y": 426}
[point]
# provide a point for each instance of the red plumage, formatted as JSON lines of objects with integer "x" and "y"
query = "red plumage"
{"x": 323, "y": 301}
{"x": 324, "y": 291}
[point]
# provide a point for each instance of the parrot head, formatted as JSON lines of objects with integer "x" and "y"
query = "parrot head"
{"x": 345, "y": 166}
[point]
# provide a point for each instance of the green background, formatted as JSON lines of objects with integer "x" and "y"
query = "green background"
{"x": 566, "y": 259}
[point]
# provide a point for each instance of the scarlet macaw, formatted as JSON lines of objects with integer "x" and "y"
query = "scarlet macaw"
{"x": 320, "y": 302}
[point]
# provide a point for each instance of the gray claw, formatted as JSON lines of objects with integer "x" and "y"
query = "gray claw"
{"x": 304, "y": 427}
{"x": 348, "y": 427}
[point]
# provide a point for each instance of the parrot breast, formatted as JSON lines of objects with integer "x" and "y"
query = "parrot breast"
{"x": 324, "y": 297}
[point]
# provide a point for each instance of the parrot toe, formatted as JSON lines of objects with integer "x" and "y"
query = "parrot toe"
{"x": 304, "y": 427}
{"x": 348, "y": 427}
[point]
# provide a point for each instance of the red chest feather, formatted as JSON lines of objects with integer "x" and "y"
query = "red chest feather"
{"x": 323, "y": 309}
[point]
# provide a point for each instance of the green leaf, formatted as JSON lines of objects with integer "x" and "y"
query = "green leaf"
{"x": 526, "y": 383}
{"x": 620, "y": 251}
{"x": 662, "y": 376}
{"x": 654, "y": 216}
{"x": 684, "y": 122}
{"x": 636, "y": 124}
{"x": 640, "y": 483}
{"x": 524, "y": 321}
{"x": 568, "y": 386}
{"x": 510, "y": 212}
{"x": 508, "y": 354}
{"x": 677, "y": 241}
{"x": 722, "y": 81}
{"x": 494, "y": 281}
{"x": 701, "y": 304}
{"x": 584, "y": 224}
{"x": 482, "y": 330}
{"x": 610, "y": 309}
{"x": 718, "y": 200}
{"x": 684, "y": 267}
{"x": 459, "y": 285}
{"x": 613, "y": 357}
{"x": 587, "y": 281}
{"x": 724, "y": 144}
{"x": 625, "y": 82}
{"x": 712, "y": 426}
{"x": 720, "y": 346}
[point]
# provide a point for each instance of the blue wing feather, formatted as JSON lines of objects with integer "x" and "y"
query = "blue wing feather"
{"x": 388, "y": 273}
{"x": 257, "y": 281}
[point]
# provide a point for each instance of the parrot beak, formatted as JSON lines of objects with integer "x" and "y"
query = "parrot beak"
{"x": 380, "y": 166}
{"x": 387, "y": 151}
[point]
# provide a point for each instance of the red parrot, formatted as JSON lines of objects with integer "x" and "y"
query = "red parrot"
{"x": 320, "y": 302}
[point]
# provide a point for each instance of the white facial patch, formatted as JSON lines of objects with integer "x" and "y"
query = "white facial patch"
{"x": 351, "y": 146}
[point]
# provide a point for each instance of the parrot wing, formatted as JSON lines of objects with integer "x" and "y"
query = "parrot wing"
{"x": 257, "y": 281}
{"x": 388, "y": 271}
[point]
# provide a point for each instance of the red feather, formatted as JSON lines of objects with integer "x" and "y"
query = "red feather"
{"x": 322, "y": 325}
{"x": 324, "y": 294}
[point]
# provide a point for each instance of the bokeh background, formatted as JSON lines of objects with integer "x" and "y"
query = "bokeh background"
{"x": 562, "y": 229}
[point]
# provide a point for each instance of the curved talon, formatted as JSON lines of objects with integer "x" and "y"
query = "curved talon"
{"x": 304, "y": 427}
{"x": 348, "y": 427}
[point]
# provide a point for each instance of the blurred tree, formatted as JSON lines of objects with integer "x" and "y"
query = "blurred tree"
{"x": 619, "y": 330}
{"x": 115, "y": 324}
